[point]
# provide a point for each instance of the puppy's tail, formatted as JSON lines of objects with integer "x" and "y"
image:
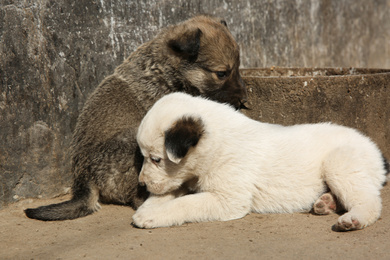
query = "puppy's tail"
{"x": 83, "y": 203}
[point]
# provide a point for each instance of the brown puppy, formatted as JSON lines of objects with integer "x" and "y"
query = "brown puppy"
{"x": 198, "y": 56}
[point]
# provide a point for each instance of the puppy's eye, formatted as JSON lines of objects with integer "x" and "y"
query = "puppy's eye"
{"x": 222, "y": 74}
{"x": 155, "y": 159}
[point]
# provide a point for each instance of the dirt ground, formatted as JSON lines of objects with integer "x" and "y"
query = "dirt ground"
{"x": 108, "y": 234}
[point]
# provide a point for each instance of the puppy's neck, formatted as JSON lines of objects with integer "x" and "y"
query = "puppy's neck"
{"x": 191, "y": 185}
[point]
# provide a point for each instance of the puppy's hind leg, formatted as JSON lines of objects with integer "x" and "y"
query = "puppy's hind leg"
{"x": 326, "y": 204}
{"x": 348, "y": 172}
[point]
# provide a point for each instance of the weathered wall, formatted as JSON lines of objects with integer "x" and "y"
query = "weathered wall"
{"x": 54, "y": 53}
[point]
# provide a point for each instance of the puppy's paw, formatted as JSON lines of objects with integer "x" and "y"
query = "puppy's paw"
{"x": 348, "y": 222}
{"x": 143, "y": 218}
{"x": 153, "y": 217}
{"x": 325, "y": 205}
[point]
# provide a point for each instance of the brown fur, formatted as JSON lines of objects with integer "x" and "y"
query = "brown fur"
{"x": 198, "y": 56}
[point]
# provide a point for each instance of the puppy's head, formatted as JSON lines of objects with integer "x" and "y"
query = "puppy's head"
{"x": 167, "y": 152}
{"x": 208, "y": 59}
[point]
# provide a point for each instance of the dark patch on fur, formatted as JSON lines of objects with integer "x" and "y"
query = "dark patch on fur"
{"x": 187, "y": 45}
{"x": 183, "y": 135}
{"x": 386, "y": 166}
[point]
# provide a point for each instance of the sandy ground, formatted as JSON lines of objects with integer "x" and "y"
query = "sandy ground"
{"x": 108, "y": 234}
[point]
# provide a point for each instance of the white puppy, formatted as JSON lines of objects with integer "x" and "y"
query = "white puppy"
{"x": 204, "y": 161}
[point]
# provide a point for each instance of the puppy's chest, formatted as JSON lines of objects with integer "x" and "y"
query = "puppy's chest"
{"x": 205, "y": 184}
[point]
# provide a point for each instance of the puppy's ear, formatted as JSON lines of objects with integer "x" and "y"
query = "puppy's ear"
{"x": 186, "y": 43}
{"x": 184, "y": 134}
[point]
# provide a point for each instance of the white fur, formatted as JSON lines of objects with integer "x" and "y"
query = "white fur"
{"x": 242, "y": 165}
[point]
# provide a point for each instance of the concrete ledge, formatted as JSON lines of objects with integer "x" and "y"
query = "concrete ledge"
{"x": 349, "y": 96}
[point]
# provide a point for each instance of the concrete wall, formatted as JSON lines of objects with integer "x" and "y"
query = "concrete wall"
{"x": 356, "y": 98}
{"x": 54, "y": 53}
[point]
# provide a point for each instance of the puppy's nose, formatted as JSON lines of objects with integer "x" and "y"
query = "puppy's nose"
{"x": 141, "y": 180}
{"x": 242, "y": 104}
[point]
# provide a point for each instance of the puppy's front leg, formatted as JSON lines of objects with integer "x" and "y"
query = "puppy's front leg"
{"x": 159, "y": 199}
{"x": 198, "y": 207}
